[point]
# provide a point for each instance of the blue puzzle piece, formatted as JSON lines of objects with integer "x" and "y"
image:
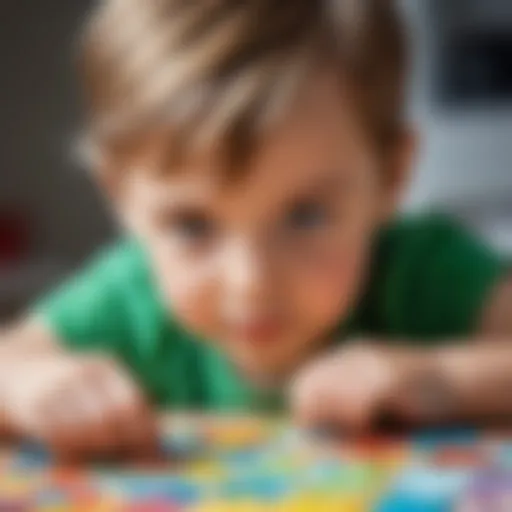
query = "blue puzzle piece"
{"x": 503, "y": 456}
{"x": 182, "y": 447}
{"x": 262, "y": 488}
{"x": 327, "y": 472}
{"x": 426, "y": 490}
{"x": 433, "y": 438}
{"x": 397, "y": 503}
{"x": 141, "y": 488}
{"x": 430, "y": 482}
{"x": 32, "y": 457}
{"x": 243, "y": 459}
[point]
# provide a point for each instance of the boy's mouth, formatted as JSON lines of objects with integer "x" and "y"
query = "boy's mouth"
{"x": 260, "y": 331}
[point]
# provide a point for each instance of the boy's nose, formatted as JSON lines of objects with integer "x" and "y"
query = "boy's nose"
{"x": 247, "y": 275}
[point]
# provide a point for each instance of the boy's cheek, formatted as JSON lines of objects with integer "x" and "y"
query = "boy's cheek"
{"x": 329, "y": 290}
{"x": 189, "y": 294}
{"x": 195, "y": 313}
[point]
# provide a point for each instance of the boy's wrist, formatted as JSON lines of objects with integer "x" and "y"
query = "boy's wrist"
{"x": 6, "y": 424}
{"x": 425, "y": 391}
{"x": 6, "y": 429}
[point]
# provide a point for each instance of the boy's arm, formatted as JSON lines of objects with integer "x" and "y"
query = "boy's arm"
{"x": 485, "y": 379}
{"x": 449, "y": 298}
{"x": 78, "y": 405}
{"x": 63, "y": 377}
{"x": 29, "y": 337}
{"x": 496, "y": 323}
{"x": 457, "y": 293}
{"x": 472, "y": 380}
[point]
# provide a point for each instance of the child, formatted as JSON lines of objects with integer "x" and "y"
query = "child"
{"x": 255, "y": 153}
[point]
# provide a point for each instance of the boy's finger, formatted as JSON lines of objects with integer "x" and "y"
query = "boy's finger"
{"x": 309, "y": 403}
{"x": 143, "y": 432}
{"x": 131, "y": 420}
{"x": 122, "y": 391}
{"x": 65, "y": 441}
{"x": 77, "y": 427}
{"x": 356, "y": 406}
{"x": 113, "y": 398}
{"x": 104, "y": 436}
{"x": 99, "y": 411}
{"x": 352, "y": 416}
{"x": 317, "y": 402}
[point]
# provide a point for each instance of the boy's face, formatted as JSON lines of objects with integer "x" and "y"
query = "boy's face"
{"x": 265, "y": 267}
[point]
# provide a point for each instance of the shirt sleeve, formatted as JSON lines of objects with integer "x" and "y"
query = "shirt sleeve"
{"x": 90, "y": 311}
{"x": 438, "y": 281}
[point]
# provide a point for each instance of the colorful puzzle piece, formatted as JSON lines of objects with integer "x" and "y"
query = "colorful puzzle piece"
{"x": 250, "y": 465}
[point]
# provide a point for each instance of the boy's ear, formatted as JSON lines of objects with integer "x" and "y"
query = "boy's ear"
{"x": 400, "y": 164}
{"x": 109, "y": 181}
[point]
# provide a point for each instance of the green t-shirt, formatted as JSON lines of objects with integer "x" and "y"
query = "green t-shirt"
{"x": 429, "y": 282}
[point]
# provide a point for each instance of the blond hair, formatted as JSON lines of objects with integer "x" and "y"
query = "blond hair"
{"x": 221, "y": 71}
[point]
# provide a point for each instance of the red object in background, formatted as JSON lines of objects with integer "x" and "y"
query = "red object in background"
{"x": 14, "y": 237}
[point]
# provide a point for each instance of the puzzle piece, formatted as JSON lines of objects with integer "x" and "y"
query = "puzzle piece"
{"x": 426, "y": 489}
{"x": 490, "y": 490}
{"x": 244, "y": 464}
{"x": 431, "y": 439}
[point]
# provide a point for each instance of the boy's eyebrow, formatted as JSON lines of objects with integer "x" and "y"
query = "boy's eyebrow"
{"x": 329, "y": 184}
{"x": 183, "y": 205}
{"x": 322, "y": 187}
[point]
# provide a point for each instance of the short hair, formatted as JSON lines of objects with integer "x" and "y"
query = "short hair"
{"x": 221, "y": 71}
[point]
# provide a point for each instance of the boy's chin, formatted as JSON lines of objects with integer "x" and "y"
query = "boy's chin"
{"x": 264, "y": 378}
{"x": 266, "y": 367}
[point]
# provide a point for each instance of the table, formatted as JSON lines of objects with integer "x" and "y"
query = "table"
{"x": 244, "y": 464}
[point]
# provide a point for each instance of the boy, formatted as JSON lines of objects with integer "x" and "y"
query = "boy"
{"x": 255, "y": 151}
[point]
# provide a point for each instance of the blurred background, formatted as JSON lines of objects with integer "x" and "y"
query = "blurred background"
{"x": 52, "y": 218}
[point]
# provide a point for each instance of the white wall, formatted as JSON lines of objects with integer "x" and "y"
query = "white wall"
{"x": 466, "y": 156}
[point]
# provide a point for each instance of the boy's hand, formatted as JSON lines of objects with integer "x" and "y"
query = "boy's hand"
{"x": 353, "y": 386}
{"x": 79, "y": 406}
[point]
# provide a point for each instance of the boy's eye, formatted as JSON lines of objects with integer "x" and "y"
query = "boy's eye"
{"x": 307, "y": 215}
{"x": 193, "y": 226}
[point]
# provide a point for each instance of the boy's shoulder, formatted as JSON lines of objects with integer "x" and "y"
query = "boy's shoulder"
{"x": 422, "y": 227}
{"x": 421, "y": 239}
{"x": 122, "y": 267}
{"x": 101, "y": 302}
{"x": 430, "y": 278}
{"x": 119, "y": 259}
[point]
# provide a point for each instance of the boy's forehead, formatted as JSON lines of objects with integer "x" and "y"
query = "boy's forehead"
{"x": 321, "y": 121}
{"x": 184, "y": 186}
{"x": 315, "y": 138}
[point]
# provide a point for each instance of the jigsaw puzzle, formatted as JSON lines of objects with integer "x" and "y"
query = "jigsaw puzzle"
{"x": 252, "y": 465}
